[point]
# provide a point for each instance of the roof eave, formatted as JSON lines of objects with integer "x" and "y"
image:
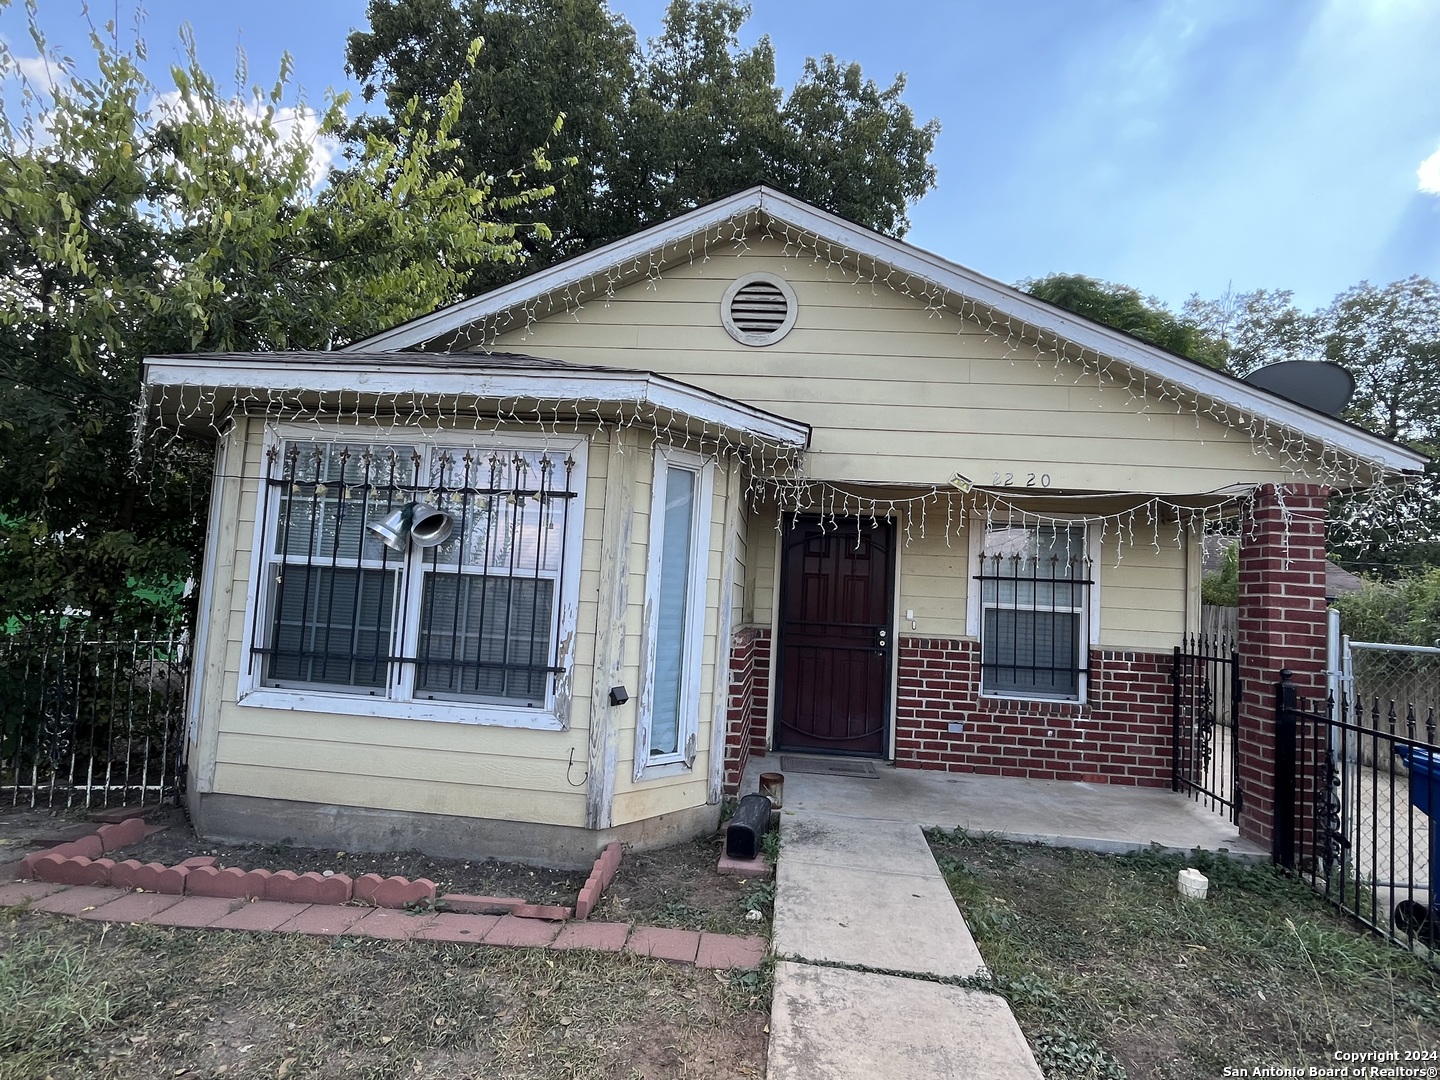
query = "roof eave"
{"x": 406, "y": 376}
{"x": 1034, "y": 314}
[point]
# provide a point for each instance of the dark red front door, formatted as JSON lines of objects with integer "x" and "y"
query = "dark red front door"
{"x": 835, "y": 631}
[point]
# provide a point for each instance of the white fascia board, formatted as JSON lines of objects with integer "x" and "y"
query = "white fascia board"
{"x": 547, "y": 384}
{"x": 1001, "y": 298}
{"x": 571, "y": 272}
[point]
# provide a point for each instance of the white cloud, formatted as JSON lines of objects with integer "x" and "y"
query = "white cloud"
{"x": 39, "y": 72}
{"x": 1429, "y": 174}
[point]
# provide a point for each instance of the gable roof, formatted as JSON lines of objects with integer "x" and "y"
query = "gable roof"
{"x": 1003, "y": 301}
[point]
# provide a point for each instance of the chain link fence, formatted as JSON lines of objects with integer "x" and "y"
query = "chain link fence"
{"x": 1393, "y": 689}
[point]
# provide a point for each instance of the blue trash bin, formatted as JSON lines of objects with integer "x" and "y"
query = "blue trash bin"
{"x": 1425, "y": 797}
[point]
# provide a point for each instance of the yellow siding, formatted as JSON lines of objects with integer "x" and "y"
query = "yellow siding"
{"x": 1143, "y": 601}
{"x": 762, "y": 582}
{"x": 1144, "y": 592}
{"x": 433, "y": 767}
{"x": 896, "y": 394}
{"x": 635, "y": 800}
{"x": 934, "y": 583}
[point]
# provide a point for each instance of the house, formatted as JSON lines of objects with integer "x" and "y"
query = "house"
{"x": 545, "y": 568}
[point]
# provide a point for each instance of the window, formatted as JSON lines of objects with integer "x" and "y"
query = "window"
{"x": 675, "y": 588}
{"x": 426, "y": 580}
{"x": 1034, "y": 611}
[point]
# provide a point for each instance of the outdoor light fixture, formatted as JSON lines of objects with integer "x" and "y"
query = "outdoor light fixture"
{"x": 413, "y": 523}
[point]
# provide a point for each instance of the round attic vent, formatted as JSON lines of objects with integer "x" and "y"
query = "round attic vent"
{"x": 758, "y": 309}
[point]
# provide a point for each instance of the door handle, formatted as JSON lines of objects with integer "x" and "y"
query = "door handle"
{"x": 881, "y": 638}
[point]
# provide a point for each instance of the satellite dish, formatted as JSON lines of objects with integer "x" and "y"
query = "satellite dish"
{"x": 1316, "y": 384}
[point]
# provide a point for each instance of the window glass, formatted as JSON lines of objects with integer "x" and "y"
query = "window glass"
{"x": 675, "y": 560}
{"x": 480, "y": 621}
{"x": 1034, "y": 592}
{"x": 485, "y": 637}
{"x": 332, "y": 626}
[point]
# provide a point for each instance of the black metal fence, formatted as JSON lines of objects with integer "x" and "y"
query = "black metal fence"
{"x": 1356, "y": 794}
{"x": 90, "y": 715}
{"x": 1205, "y": 688}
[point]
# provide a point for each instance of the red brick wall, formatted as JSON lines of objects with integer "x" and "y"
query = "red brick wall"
{"x": 745, "y": 728}
{"x": 1121, "y": 735}
{"x": 1281, "y": 625}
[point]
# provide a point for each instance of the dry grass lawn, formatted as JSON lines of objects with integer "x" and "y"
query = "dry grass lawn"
{"x": 81, "y": 1000}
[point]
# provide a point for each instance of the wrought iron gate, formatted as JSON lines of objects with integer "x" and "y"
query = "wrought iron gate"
{"x": 1356, "y": 797}
{"x": 91, "y": 716}
{"x": 1205, "y": 683}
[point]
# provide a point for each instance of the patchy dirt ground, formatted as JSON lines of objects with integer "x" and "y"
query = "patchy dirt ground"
{"x": 82, "y": 1000}
{"x": 679, "y": 886}
{"x": 675, "y": 886}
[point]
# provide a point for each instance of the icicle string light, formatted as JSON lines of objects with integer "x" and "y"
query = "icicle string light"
{"x": 775, "y": 474}
{"x": 1303, "y": 456}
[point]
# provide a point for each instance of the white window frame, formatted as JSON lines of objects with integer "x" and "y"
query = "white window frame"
{"x": 1089, "y": 625}
{"x": 396, "y": 702}
{"x": 692, "y": 648}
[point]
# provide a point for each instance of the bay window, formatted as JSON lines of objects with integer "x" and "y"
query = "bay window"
{"x": 422, "y": 580}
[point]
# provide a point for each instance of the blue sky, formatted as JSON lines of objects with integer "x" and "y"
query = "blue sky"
{"x": 1177, "y": 146}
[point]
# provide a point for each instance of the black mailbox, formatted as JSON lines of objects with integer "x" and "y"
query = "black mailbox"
{"x": 748, "y": 827}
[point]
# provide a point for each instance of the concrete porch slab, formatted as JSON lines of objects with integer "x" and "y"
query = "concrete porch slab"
{"x": 852, "y": 1024}
{"x": 1095, "y": 817}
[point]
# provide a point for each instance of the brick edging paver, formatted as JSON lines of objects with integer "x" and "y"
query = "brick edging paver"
{"x": 85, "y": 861}
{"x": 102, "y": 904}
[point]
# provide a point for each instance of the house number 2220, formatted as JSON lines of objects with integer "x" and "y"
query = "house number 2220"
{"x": 1029, "y": 479}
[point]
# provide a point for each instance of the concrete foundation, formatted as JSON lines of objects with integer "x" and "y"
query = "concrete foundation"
{"x": 245, "y": 819}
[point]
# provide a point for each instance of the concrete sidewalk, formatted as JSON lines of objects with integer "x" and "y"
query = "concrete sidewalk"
{"x": 860, "y": 911}
{"x": 865, "y": 924}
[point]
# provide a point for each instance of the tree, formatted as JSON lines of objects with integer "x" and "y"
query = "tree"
{"x": 1405, "y": 612}
{"x": 135, "y": 222}
{"x": 1125, "y": 309}
{"x": 541, "y": 60}
{"x": 653, "y": 131}
{"x": 1256, "y": 329}
{"x": 1222, "y": 588}
{"x": 1389, "y": 339}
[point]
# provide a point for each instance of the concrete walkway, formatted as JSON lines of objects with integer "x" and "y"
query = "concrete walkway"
{"x": 865, "y": 924}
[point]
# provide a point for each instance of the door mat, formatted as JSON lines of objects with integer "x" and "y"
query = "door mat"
{"x": 864, "y": 770}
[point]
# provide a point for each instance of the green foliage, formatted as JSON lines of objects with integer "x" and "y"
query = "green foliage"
{"x": 650, "y": 131}
{"x": 770, "y": 846}
{"x": 1222, "y": 589}
{"x": 1125, "y": 309}
{"x": 1389, "y": 339}
{"x": 1256, "y": 328}
{"x": 1405, "y": 612}
{"x": 139, "y": 219}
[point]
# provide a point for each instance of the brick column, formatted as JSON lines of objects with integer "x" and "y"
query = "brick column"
{"x": 1282, "y": 625}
